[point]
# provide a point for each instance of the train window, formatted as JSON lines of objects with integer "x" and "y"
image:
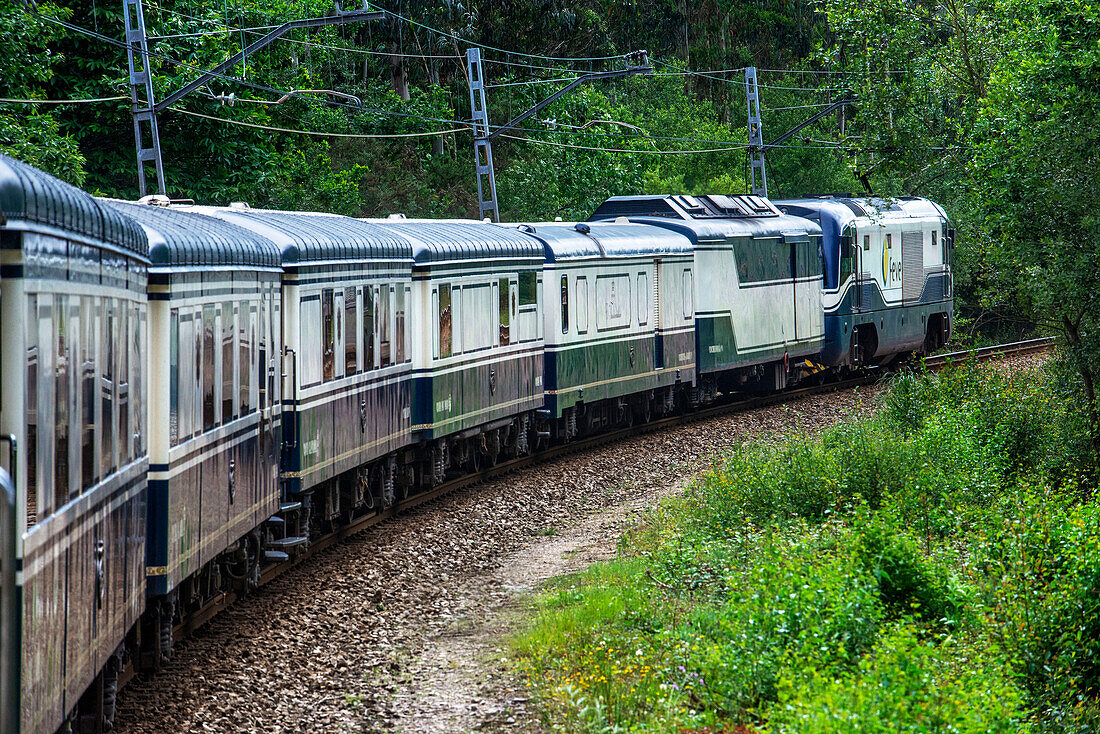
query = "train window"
{"x": 185, "y": 388}
{"x": 173, "y": 378}
{"x": 89, "y": 466}
{"x": 338, "y": 331}
{"x": 643, "y": 299}
{"x": 565, "y": 304}
{"x": 31, "y": 408}
{"x": 244, "y": 351}
{"x": 368, "y": 328}
{"x": 385, "y": 308}
{"x": 846, "y": 255}
{"x": 399, "y": 320}
{"x": 47, "y": 383}
{"x": 138, "y": 403}
{"x": 228, "y": 358}
{"x": 328, "y": 335}
{"x": 688, "y": 295}
{"x": 209, "y": 419}
{"x": 582, "y": 305}
{"x": 866, "y": 242}
{"x": 504, "y": 306}
{"x": 443, "y": 311}
{"x": 62, "y": 393}
{"x": 408, "y": 331}
{"x": 889, "y": 242}
{"x": 125, "y": 436}
{"x": 108, "y": 335}
{"x": 528, "y": 289}
{"x": 309, "y": 348}
{"x": 933, "y": 238}
{"x": 351, "y": 330}
{"x": 194, "y": 385}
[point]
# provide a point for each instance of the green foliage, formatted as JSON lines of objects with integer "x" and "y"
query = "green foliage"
{"x": 905, "y": 685}
{"x": 933, "y": 568}
{"x": 26, "y": 64}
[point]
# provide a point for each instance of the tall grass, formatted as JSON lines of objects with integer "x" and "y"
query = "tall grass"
{"x": 933, "y": 568}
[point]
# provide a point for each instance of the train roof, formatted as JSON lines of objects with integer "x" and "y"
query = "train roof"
{"x": 179, "y": 236}
{"x": 683, "y": 206}
{"x": 844, "y": 209}
{"x": 32, "y": 199}
{"x": 449, "y": 240}
{"x": 708, "y": 218}
{"x": 305, "y": 237}
{"x": 583, "y": 240}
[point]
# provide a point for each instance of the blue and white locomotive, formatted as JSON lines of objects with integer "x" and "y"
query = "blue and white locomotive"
{"x": 193, "y": 394}
{"x": 887, "y": 276}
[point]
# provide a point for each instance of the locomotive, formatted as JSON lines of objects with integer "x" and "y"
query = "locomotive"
{"x": 191, "y": 394}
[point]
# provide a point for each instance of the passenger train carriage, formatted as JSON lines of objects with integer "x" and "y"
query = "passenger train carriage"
{"x": 758, "y": 278}
{"x": 887, "y": 276}
{"x": 213, "y": 416}
{"x": 619, "y": 331}
{"x": 73, "y": 309}
{"x": 347, "y": 299}
{"x": 299, "y": 371}
{"x": 478, "y": 353}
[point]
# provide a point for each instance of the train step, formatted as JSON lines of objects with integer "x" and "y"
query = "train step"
{"x": 275, "y": 519}
{"x": 284, "y": 543}
{"x": 274, "y": 556}
{"x": 290, "y": 506}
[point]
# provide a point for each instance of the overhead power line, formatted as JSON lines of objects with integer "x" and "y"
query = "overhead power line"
{"x": 556, "y": 144}
{"x": 244, "y": 82}
{"x": 365, "y": 136}
{"x": 521, "y": 54}
{"x": 11, "y": 100}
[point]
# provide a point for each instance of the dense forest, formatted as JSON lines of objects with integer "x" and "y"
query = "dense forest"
{"x": 992, "y": 109}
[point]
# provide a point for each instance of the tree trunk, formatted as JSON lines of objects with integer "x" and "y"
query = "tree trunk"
{"x": 398, "y": 75}
{"x": 1088, "y": 383}
{"x": 437, "y": 141}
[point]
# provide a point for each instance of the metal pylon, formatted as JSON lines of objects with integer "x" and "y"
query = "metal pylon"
{"x": 141, "y": 95}
{"x": 756, "y": 134}
{"x": 483, "y": 146}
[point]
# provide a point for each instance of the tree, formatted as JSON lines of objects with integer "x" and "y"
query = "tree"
{"x": 1037, "y": 144}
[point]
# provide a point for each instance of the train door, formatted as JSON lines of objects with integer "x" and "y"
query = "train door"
{"x": 851, "y": 265}
{"x": 655, "y": 296}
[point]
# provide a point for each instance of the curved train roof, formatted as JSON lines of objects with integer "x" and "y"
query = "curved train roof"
{"x": 307, "y": 237}
{"x": 178, "y": 236}
{"x": 708, "y": 218}
{"x": 30, "y": 197}
{"x": 845, "y": 209}
{"x": 449, "y": 240}
{"x": 564, "y": 241}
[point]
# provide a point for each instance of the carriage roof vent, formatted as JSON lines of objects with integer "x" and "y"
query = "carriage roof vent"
{"x": 239, "y": 205}
{"x": 622, "y": 220}
{"x": 582, "y": 228}
{"x": 396, "y": 215}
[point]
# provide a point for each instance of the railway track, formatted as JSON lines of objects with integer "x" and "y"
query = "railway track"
{"x": 212, "y": 608}
{"x": 983, "y": 354}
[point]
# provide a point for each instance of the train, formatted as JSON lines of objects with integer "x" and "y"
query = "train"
{"x": 193, "y": 394}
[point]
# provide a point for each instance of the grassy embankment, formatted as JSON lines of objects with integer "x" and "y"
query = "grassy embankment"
{"x": 934, "y": 568}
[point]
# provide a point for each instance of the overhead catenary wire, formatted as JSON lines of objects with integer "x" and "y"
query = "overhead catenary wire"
{"x": 319, "y": 133}
{"x": 486, "y": 47}
{"x": 556, "y": 144}
{"x": 11, "y": 100}
{"x": 246, "y": 83}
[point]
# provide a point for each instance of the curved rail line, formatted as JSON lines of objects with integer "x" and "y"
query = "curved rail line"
{"x": 739, "y": 403}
